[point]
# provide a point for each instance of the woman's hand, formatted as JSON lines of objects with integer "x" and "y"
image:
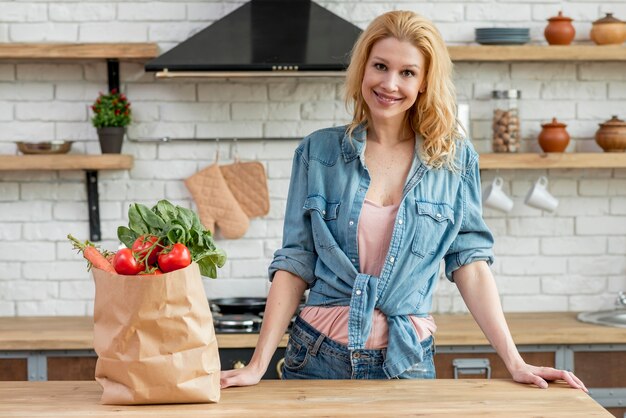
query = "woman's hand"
{"x": 539, "y": 376}
{"x": 246, "y": 376}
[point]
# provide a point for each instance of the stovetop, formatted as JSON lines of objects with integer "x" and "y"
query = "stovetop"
{"x": 239, "y": 323}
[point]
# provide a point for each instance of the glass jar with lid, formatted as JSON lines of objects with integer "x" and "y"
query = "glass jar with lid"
{"x": 506, "y": 121}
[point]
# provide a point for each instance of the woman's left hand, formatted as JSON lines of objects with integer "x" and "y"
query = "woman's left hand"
{"x": 539, "y": 376}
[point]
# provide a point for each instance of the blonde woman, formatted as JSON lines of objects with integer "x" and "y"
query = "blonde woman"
{"x": 373, "y": 208}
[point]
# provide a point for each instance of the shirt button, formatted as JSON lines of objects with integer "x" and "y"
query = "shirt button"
{"x": 400, "y": 222}
{"x": 361, "y": 190}
{"x": 356, "y": 355}
{"x": 358, "y": 292}
{"x": 323, "y": 212}
{"x": 351, "y": 223}
{"x": 353, "y": 260}
{"x": 391, "y": 260}
{"x": 438, "y": 215}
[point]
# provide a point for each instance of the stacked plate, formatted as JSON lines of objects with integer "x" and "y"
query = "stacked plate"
{"x": 502, "y": 36}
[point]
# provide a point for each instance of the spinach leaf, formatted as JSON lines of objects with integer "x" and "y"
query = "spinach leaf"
{"x": 166, "y": 210}
{"x": 185, "y": 217}
{"x": 136, "y": 222}
{"x": 126, "y": 236}
{"x": 154, "y": 222}
{"x": 207, "y": 268}
{"x": 177, "y": 233}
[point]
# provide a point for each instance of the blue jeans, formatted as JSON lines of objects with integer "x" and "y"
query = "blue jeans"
{"x": 312, "y": 355}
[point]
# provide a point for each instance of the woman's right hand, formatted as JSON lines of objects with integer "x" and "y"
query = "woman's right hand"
{"x": 246, "y": 376}
{"x": 282, "y": 301}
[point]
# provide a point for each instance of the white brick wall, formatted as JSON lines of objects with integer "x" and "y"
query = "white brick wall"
{"x": 570, "y": 260}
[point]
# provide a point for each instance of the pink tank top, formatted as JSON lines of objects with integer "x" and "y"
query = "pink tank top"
{"x": 374, "y": 235}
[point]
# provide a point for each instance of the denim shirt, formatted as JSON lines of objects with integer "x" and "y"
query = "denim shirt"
{"x": 440, "y": 217}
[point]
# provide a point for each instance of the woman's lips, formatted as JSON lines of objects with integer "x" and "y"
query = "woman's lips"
{"x": 386, "y": 99}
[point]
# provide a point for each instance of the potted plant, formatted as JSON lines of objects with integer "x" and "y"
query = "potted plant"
{"x": 111, "y": 116}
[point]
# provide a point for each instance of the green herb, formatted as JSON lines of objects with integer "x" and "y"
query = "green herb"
{"x": 174, "y": 224}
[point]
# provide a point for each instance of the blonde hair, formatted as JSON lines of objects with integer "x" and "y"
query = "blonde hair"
{"x": 433, "y": 115}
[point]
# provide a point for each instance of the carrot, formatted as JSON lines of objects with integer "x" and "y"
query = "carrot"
{"x": 92, "y": 254}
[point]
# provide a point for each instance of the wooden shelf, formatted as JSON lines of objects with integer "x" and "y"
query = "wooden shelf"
{"x": 477, "y": 53}
{"x": 76, "y": 51}
{"x": 66, "y": 162}
{"x": 507, "y": 53}
{"x": 553, "y": 160}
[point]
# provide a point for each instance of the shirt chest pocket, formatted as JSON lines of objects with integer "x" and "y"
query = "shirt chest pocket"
{"x": 324, "y": 215}
{"x": 432, "y": 221}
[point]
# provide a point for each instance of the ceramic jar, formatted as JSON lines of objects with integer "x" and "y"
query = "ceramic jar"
{"x": 560, "y": 30}
{"x": 612, "y": 135}
{"x": 608, "y": 30}
{"x": 553, "y": 136}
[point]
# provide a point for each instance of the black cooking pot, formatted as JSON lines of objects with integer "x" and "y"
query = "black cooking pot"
{"x": 229, "y": 306}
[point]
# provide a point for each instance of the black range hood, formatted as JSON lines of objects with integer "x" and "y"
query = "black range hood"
{"x": 264, "y": 37}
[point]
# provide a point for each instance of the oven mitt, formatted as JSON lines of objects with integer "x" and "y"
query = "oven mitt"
{"x": 216, "y": 204}
{"x": 248, "y": 183}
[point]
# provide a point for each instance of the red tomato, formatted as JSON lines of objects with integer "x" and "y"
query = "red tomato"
{"x": 174, "y": 257}
{"x": 146, "y": 245}
{"x": 125, "y": 263}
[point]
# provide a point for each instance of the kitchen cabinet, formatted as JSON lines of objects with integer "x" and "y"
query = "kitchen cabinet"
{"x": 71, "y": 368}
{"x": 13, "y": 369}
{"x": 447, "y": 362}
{"x": 234, "y": 358}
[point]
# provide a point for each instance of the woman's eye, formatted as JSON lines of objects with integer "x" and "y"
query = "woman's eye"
{"x": 380, "y": 67}
{"x": 408, "y": 73}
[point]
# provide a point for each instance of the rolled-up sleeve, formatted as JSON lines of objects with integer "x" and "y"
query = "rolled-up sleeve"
{"x": 474, "y": 241}
{"x": 297, "y": 254}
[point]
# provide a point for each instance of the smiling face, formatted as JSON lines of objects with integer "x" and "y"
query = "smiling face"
{"x": 393, "y": 77}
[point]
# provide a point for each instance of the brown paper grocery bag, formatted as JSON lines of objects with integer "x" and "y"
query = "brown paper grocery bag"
{"x": 154, "y": 338}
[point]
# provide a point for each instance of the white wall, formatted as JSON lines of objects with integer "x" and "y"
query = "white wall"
{"x": 571, "y": 260}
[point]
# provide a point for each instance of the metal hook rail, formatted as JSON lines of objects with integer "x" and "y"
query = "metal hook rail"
{"x": 167, "y": 139}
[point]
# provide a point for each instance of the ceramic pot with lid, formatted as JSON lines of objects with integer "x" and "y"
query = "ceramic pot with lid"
{"x": 612, "y": 135}
{"x": 553, "y": 136}
{"x": 560, "y": 30}
{"x": 608, "y": 30}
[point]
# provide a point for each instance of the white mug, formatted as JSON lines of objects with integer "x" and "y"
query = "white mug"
{"x": 539, "y": 197}
{"x": 495, "y": 198}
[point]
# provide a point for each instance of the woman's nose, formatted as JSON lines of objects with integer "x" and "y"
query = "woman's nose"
{"x": 389, "y": 82}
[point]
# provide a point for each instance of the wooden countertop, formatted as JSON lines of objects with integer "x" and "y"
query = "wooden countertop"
{"x": 339, "y": 398}
{"x": 67, "y": 333}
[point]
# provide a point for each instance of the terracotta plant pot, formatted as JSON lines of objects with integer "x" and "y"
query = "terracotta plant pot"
{"x": 560, "y": 30}
{"x": 553, "y": 136}
{"x": 612, "y": 135}
{"x": 608, "y": 31}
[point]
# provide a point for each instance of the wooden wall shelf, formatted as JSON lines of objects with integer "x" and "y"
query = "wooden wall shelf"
{"x": 552, "y": 160}
{"x": 543, "y": 53}
{"x": 76, "y": 51}
{"x": 66, "y": 162}
{"x": 89, "y": 163}
{"x": 478, "y": 53}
